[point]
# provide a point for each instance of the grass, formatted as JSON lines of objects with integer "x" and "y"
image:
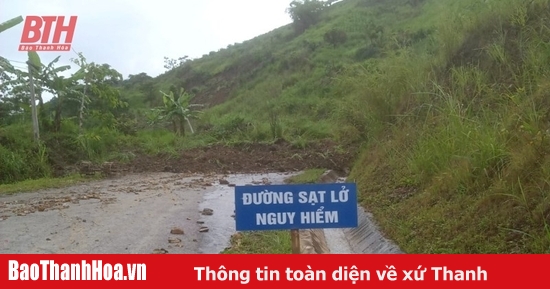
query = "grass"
{"x": 43, "y": 183}
{"x": 262, "y": 242}
{"x": 307, "y": 177}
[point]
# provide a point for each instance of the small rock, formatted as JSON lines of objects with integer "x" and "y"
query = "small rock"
{"x": 204, "y": 229}
{"x": 200, "y": 222}
{"x": 160, "y": 251}
{"x": 40, "y": 209}
{"x": 48, "y": 239}
{"x": 176, "y": 231}
{"x": 232, "y": 216}
{"x": 207, "y": 212}
{"x": 232, "y": 185}
{"x": 224, "y": 182}
{"x": 174, "y": 240}
{"x": 188, "y": 219}
{"x": 194, "y": 240}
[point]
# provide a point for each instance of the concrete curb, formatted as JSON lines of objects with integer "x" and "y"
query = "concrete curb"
{"x": 366, "y": 238}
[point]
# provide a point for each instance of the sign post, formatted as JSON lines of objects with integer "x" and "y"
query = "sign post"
{"x": 296, "y": 207}
{"x": 295, "y": 241}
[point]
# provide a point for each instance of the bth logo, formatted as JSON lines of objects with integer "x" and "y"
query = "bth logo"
{"x": 37, "y": 33}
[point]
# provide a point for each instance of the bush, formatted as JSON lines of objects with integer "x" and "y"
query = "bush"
{"x": 336, "y": 37}
{"x": 20, "y": 157}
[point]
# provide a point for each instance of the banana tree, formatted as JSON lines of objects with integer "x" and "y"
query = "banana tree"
{"x": 32, "y": 56}
{"x": 41, "y": 78}
{"x": 34, "y": 65}
{"x": 57, "y": 85}
{"x": 10, "y": 23}
{"x": 178, "y": 110}
{"x": 5, "y": 67}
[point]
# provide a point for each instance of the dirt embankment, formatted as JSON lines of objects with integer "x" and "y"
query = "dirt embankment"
{"x": 247, "y": 158}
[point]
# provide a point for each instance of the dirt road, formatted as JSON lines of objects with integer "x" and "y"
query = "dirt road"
{"x": 132, "y": 214}
{"x": 136, "y": 213}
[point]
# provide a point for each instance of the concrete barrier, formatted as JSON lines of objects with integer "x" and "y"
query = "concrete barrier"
{"x": 313, "y": 241}
{"x": 366, "y": 238}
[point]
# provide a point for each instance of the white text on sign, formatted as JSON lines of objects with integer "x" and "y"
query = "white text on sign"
{"x": 279, "y": 198}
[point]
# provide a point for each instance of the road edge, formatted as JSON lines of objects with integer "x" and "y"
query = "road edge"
{"x": 366, "y": 238}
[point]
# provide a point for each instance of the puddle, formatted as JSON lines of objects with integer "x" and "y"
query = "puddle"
{"x": 221, "y": 200}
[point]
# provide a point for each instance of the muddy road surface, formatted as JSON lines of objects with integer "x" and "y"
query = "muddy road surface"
{"x": 142, "y": 213}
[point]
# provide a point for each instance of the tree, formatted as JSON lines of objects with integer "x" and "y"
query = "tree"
{"x": 5, "y": 65}
{"x": 49, "y": 80}
{"x": 143, "y": 84}
{"x": 305, "y": 13}
{"x": 8, "y": 74}
{"x": 98, "y": 82}
{"x": 177, "y": 109}
{"x": 6, "y": 69}
{"x": 19, "y": 81}
{"x": 33, "y": 62}
{"x": 170, "y": 63}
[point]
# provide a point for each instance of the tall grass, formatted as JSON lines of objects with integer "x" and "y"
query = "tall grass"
{"x": 473, "y": 127}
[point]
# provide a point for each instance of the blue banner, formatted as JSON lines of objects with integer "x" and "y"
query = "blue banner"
{"x": 303, "y": 206}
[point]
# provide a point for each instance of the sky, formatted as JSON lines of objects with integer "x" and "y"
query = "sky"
{"x": 134, "y": 36}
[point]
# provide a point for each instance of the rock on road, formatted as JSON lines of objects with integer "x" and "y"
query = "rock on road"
{"x": 132, "y": 214}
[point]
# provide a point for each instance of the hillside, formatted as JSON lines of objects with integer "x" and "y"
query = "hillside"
{"x": 446, "y": 100}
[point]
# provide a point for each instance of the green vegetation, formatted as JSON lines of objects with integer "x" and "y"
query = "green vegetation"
{"x": 45, "y": 183}
{"x": 306, "y": 177}
{"x": 264, "y": 242}
{"x": 448, "y": 99}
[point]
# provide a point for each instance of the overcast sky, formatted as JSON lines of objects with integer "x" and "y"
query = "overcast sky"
{"x": 133, "y": 36}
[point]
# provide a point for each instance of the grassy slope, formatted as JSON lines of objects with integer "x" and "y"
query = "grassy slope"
{"x": 453, "y": 113}
{"x": 44, "y": 183}
{"x": 463, "y": 166}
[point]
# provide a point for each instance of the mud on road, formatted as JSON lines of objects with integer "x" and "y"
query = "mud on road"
{"x": 154, "y": 213}
{"x": 248, "y": 158}
{"x": 158, "y": 204}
